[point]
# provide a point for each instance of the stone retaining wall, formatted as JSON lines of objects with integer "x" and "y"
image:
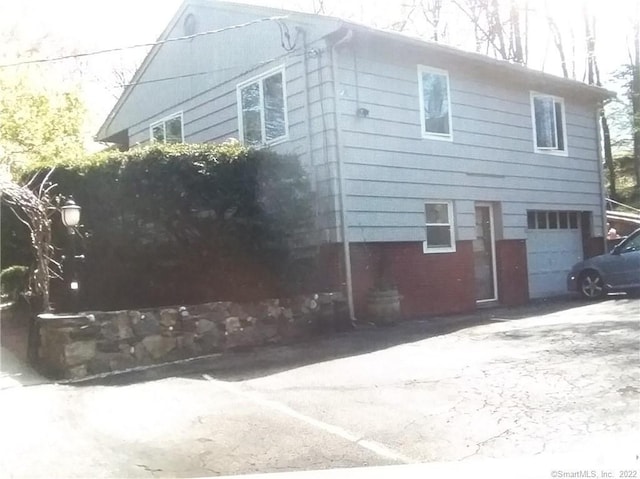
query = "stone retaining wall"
{"x": 75, "y": 346}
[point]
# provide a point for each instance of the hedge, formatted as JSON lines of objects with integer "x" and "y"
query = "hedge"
{"x": 189, "y": 223}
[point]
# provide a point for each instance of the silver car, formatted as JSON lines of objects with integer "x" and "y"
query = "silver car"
{"x": 616, "y": 271}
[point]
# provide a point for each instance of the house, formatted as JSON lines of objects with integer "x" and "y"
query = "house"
{"x": 467, "y": 179}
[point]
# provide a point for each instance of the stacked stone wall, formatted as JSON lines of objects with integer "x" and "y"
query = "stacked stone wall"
{"x": 76, "y": 346}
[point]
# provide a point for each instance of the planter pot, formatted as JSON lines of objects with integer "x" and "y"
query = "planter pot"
{"x": 383, "y": 306}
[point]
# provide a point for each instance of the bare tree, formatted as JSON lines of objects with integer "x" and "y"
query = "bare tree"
{"x": 406, "y": 15}
{"x": 430, "y": 11}
{"x": 516, "y": 50}
{"x": 557, "y": 41}
{"x": 496, "y": 28}
{"x": 318, "y": 7}
{"x": 34, "y": 208}
{"x": 593, "y": 78}
{"x": 592, "y": 73}
{"x": 505, "y": 37}
{"x": 573, "y": 52}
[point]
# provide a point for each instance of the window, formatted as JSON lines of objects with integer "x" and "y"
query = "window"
{"x": 439, "y": 227}
{"x": 552, "y": 220}
{"x": 435, "y": 104}
{"x": 262, "y": 109}
{"x": 167, "y": 130}
{"x": 549, "y": 132}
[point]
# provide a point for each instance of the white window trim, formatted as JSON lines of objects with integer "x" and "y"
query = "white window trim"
{"x": 451, "y": 249}
{"x": 557, "y": 213}
{"x": 163, "y": 122}
{"x": 425, "y": 134}
{"x": 549, "y": 151}
{"x": 259, "y": 78}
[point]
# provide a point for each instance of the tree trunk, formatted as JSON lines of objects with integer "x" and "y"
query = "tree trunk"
{"x": 496, "y": 28}
{"x": 593, "y": 77}
{"x": 589, "y": 34}
{"x": 516, "y": 34}
{"x": 557, "y": 40}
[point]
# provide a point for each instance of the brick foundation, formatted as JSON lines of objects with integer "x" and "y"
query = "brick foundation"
{"x": 430, "y": 284}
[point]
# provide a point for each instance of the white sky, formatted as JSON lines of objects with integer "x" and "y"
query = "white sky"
{"x": 84, "y": 25}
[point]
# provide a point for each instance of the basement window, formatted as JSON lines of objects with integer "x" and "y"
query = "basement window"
{"x": 439, "y": 227}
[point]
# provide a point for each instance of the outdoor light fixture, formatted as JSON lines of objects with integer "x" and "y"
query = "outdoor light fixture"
{"x": 70, "y": 213}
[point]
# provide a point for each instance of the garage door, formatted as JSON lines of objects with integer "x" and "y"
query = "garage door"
{"x": 554, "y": 245}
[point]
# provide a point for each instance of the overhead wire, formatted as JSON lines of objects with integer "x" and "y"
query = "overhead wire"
{"x": 207, "y": 72}
{"x": 142, "y": 45}
{"x": 226, "y": 80}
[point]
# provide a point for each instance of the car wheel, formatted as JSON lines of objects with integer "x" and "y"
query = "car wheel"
{"x": 591, "y": 285}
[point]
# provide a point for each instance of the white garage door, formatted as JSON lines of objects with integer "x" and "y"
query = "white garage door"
{"x": 554, "y": 245}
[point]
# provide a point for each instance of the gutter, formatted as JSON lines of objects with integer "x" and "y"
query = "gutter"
{"x": 341, "y": 183}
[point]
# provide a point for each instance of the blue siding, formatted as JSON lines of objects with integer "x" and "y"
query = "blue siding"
{"x": 391, "y": 170}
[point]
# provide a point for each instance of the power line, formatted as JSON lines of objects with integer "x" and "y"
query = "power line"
{"x": 177, "y": 77}
{"x": 207, "y": 72}
{"x": 235, "y": 77}
{"x": 142, "y": 45}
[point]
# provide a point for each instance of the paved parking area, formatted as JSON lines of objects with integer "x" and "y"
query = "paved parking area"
{"x": 553, "y": 384}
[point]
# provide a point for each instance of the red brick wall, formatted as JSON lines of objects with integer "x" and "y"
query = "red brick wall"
{"x": 511, "y": 266}
{"x": 436, "y": 283}
{"x": 330, "y": 268}
{"x": 430, "y": 284}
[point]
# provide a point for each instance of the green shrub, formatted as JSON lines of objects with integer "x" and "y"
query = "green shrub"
{"x": 168, "y": 224}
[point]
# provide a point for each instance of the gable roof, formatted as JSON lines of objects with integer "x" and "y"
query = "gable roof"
{"x": 265, "y": 11}
{"x": 343, "y": 25}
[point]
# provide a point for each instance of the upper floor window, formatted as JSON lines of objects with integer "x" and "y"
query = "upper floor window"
{"x": 435, "y": 103}
{"x": 549, "y": 132}
{"x": 439, "y": 226}
{"x": 167, "y": 130}
{"x": 262, "y": 109}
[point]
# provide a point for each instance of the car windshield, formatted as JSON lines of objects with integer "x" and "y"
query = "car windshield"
{"x": 632, "y": 243}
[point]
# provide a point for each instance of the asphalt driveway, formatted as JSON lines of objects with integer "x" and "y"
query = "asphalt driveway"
{"x": 554, "y": 380}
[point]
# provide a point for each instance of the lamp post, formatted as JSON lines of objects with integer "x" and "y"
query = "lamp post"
{"x": 70, "y": 214}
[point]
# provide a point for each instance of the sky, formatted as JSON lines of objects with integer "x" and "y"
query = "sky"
{"x": 62, "y": 26}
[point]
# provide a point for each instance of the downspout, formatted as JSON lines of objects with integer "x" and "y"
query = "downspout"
{"x": 601, "y": 178}
{"x": 341, "y": 183}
